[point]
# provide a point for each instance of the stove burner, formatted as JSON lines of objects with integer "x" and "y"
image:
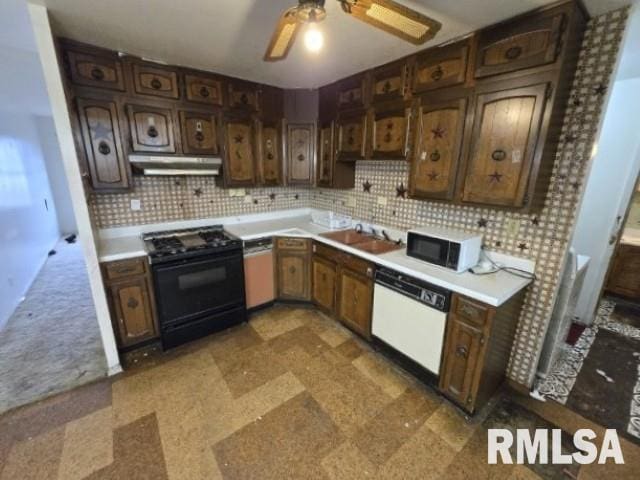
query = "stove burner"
{"x": 189, "y": 242}
{"x": 166, "y": 243}
{"x": 213, "y": 236}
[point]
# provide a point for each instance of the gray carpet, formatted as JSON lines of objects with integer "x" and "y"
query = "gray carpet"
{"x": 52, "y": 342}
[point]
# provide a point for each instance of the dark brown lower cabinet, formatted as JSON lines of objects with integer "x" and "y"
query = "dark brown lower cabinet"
{"x": 324, "y": 278}
{"x": 477, "y": 349}
{"x": 355, "y": 301}
{"x": 130, "y": 296}
{"x": 293, "y": 278}
{"x": 624, "y": 276}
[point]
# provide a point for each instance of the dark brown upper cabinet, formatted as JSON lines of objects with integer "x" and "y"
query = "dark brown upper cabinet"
{"x": 97, "y": 68}
{"x": 390, "y": 129}
{"x": 352, "y": 135}
{"x": 351, "y": 92}
{"x": 272, "y": 100}
{"x": 503, "y": 145}
{"x": 154, "y": 80}
{"x": 300, "y": 153}
{"x": 240, "y": 151}
{"x": 324, "y": 176}
{"x": 531, "y": 41}
{"x": 244, "y": 96}
{"x": 106, "y": 160}
{"x": 437, "y": 149}
{"x": 389, "y": 82}
{"x": 152, "y": 129}
{"x": 440, "y": 67}
{"x": 199, "y": 133}
{"x": 271, "y": 151}
{"x": 203, "y": 89}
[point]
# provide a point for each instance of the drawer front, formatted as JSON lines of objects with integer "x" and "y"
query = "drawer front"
{"x": 151, "y": 129}
{"x": 471, "y": 311}
{"x": 95, "y": 70}
{"x": 125, "y": 268}
{"x": 158, "y": 82}
{"x": 326, "y": 252}
{"x": 203, "y": 90}
{"x": 199, "y": 133}
{"x": 357, "y": 265}
{"x": 441, "y": 67}
{"x": 389, "y": 82}
{"x": 292, "y": 243}
{"x": 244, "y": 97}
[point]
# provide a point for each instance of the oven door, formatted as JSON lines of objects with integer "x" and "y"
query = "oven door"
{"x": 191, "y": 288}
{"x": 429, "y": 249}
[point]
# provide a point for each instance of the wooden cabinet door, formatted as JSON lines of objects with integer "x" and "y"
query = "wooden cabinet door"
{"x": 244, "y": 96}
{"x": 155, "y": 80}
{"x": 108, "y": 166}
{"x": 351, "y": 92}
{"x": 529, "y": 42}
{"x": 300, "y": 150}
{"x": 624, "y": 277}
{"x": 355, "y": 301}
{"x": 203, "y": 89}
{"x": 438, "y": 146}
{"x": 239, "y": 158}
{"x": 323, "y": 282}
{"x": 352, "y": 136}
{"x": 199, "y": 133}
{"x": 503, "y": 145}
{"x": 462, "y": 362}
{"x": 390, "y": 133}
{"x": 151, "y": 129}
{"x": 441, "y": 67}
{"x": 293, "y": 273}
{"x": 271, "y": 145}
{"x": 131, "y": 304}
{"x": 389, "y": 82}
{"x": 102, "y": 70}
{"x": 325, "y": 155}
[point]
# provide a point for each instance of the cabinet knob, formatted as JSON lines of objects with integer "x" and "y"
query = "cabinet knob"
{"x": 498, "y": 155}
{"x": 204, "y": 92}
{"x": 156, "y": 84}
{"x": 152, "y": 132}
{"x": 369, "y": 272}
{"x": 461, "y": 351}
{"x": 513, "y": 52}
{"x": 97, "y": 74}
{"x": 437, "y": 74}
{"x": 199, "y": 136}
{"x": 103, "y": 148}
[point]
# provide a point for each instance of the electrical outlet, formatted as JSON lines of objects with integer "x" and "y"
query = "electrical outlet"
{"x": 136, "y": 204}
{"x": 351, "y": 202}
{"x": 237, "y": 192}
{"x": 512, "y": 227}
{"x": 248, "y": 199}
{"x": 382, "y": 201}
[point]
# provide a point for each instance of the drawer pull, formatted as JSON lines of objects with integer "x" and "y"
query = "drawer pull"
{"x": 437, "y": 74}
{"x": 461, "y": 351}
{"x": 467, "y": 310}
{"x": 292, "y": 270}
{"x": 97, "y": 74}
{"x": 152, "y": 132}
{"x": 499, "y": 155}
{"x": 156, "y": 84}
{"x": 103, "y": 148}
{"x": 132, "y": 303}
{"x": 513, "y": 53}
{"x": 199, "y": 136}
{"x": 204, "y": 92}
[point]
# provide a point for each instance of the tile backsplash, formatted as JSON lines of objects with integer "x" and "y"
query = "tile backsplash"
{"x": 543, "y": 237}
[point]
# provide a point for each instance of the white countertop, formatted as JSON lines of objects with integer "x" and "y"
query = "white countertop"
{"x": 494, "y": 289}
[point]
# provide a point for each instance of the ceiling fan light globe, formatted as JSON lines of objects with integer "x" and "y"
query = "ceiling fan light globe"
{"x": 313, "y": 39}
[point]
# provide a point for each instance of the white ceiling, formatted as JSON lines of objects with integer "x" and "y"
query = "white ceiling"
{"x": 230, "y": 36}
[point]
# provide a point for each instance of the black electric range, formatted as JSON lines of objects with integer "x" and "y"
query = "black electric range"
{"x": 198, "y": 277}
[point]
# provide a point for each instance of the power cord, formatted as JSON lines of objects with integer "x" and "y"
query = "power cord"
{"x": 517, "y": 272}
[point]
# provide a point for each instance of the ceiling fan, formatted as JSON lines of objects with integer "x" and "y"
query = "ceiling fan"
{"x": 386, "y": 15}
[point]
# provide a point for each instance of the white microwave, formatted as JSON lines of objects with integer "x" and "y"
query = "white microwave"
{"x": 445, "y": 247}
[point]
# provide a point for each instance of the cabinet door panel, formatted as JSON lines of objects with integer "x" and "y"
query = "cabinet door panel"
{"x": 506, "y": 128}
{"x": 151, "y": 129}
{"x": 351, "y": 92}
{"x": 300, "y": 154}
{"x": 461, "y": 361}
{"x": 199, "y": 133}
{"x": 132, "y": 311}
{"x": 94, "y": 70}
{"x": 518, "y": 45}
{"x": 352, "y": 134}
{"x": 624, "y": 278}
{"x": 156, "y": 81}
{"x": 271, "y": 152}
{"x": 239, "y": 165}
{"x": 202, "y": 89}
{"x": 325, "y": 155}
{"x": 108, "y": 168}
{"x": 293, "y": 275}
{"x": 441, "y": 67}
{"x": 390, "y": 137}
{"x": 438, "y": 146}
{"x": 389, "y": 82}
{"x": 324, "y": 283}
{"x": 243, "y": 96}
{"x": 355, "y": 301}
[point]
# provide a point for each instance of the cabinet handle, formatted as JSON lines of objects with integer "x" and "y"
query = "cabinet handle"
{"x": 461, "y": 351}
{"x": 204, "y": 92}
{"x": 244, "y": 99}
{"x": 301, "y": 158}
{"x": 292, "y": 270}
{"x": 199, "y": 136}
{"x": 437, "y": 74}
{"x": 152, "y": 132}
{"x": 467, "y": 310}
{"x": 125, "y": 270}
{"x": 132, "y": 303}
{"x": 369, "y": 272}
{"x": 513, "y": 52}
{"x": 498, "y": 155}
{"x": 103, "y": 148}
{"x": 156, "y": 84}
{"x": 435, "y": 156}
{"x": 97, "y": 74}
{"x": 469, "y": 399}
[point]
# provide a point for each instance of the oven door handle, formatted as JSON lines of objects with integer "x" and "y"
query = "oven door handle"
{"x": 193, "y": 262}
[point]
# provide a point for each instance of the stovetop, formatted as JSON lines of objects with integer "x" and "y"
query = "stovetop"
{"x": 189, "y": 242}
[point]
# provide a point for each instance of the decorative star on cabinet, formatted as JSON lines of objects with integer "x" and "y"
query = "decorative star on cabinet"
{"x": 366, "y": 186}
{"x": 482, "y": 223}
{"x": 495, "y": 177}
{"x": 401, "y": 191}
{"x": 522, "y": 246}
{"x": 433, "y": 175}
{"x": 238, "y": 138}
{"x": 101, "y": 131}
{"x": 438, "y": 132}
{"x": 197, "y": 192}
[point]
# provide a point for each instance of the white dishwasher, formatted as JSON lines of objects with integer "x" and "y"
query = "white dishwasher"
{"x": 410, "y": 316}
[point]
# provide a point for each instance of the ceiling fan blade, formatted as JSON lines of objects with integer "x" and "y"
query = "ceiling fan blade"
{"x": 283, "y": 37}
{"x": 393, "y": 18}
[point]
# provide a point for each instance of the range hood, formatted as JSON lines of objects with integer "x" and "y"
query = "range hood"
{"x": 176, "y": 165}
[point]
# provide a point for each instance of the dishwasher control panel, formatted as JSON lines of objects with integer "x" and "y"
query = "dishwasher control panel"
{"x": 432, "y": 295}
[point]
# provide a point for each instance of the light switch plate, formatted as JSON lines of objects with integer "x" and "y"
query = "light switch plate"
{"x": 248, "y": 198}
{"x": 382, "y": 201}
{"x": 237, "y": 192}
{"x": 351, "y": 202}
{"x": 136, "y": 204}
{"x": 512, "y": 227}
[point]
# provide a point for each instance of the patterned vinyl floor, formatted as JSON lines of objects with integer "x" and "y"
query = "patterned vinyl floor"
{"x": 290, "y": 395}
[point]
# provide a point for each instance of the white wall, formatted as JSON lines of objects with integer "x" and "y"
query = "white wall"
{"x": 57, "y": 178}
{"x": 28, "y": 225}
{"x": 613, "y": 173}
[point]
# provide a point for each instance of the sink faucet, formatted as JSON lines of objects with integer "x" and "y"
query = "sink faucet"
{"x": 386, "y": 236}
{"x": 358, "y": 228}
